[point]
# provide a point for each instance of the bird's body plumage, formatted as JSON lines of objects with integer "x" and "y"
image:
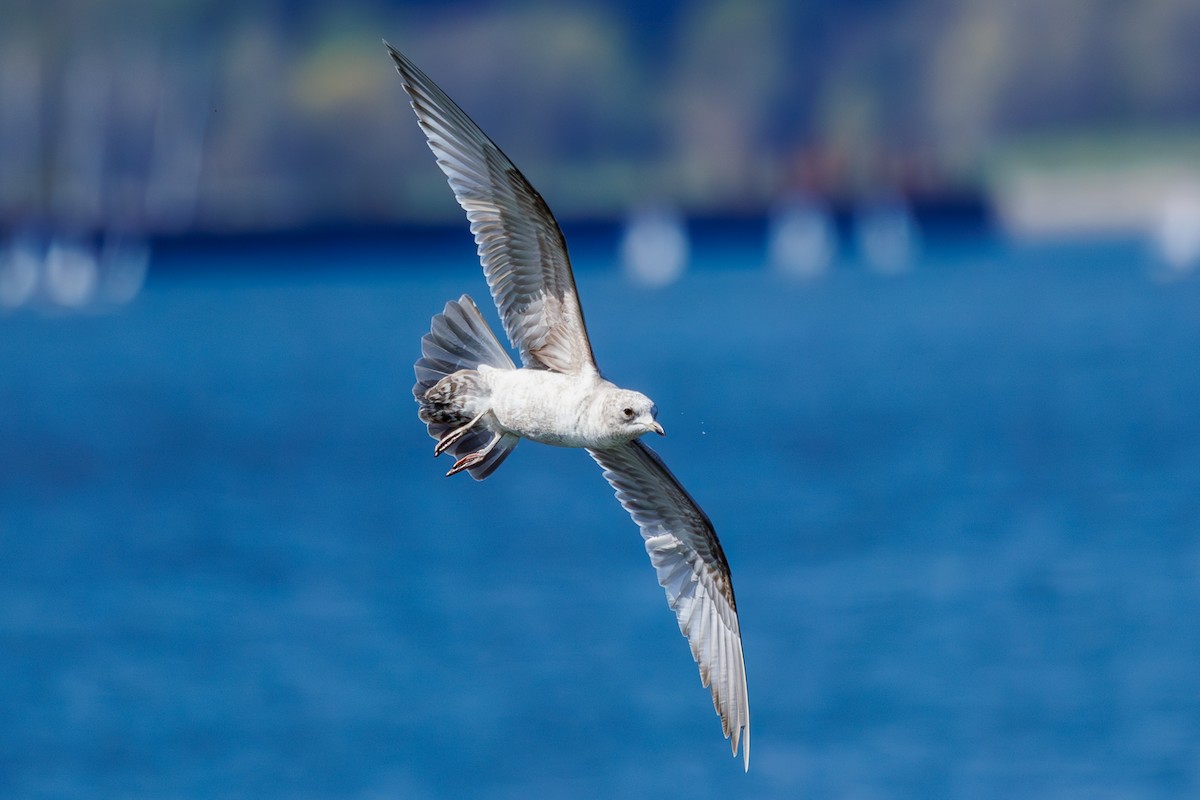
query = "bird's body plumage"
{"x": 552, "y": 408}
{"x": 478, "y": 404}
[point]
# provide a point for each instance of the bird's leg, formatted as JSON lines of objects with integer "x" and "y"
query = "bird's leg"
{"x": 456, "y": 434}
{"x": 471, "y": 459}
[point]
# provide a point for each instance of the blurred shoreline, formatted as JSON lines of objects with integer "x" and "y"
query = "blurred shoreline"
{"x": 950, "y": 216}
{"x": 201, "y": 118}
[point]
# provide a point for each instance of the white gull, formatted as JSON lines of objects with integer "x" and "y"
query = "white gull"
{"x": 478, "y": 404}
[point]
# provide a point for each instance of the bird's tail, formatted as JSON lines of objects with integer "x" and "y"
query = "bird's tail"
{"x": 458, "y": 342}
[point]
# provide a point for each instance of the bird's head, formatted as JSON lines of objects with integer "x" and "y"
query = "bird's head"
{"x": 632, "y": 413}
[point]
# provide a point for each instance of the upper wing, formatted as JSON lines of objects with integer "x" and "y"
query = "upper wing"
{"x": 522, "y": 250}
{"x": 691, "y": 567}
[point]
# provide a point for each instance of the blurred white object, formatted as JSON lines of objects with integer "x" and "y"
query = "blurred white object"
{"x": 655, "y": 247}
{"x": 801, "y": 239}
{"x": 20, "y": 262}
{"x": 1175, "y": 234}
{"x": 123, "y": 265}
{"x": 1121, "y": 199}
{"x": 887, "y": 237}
{"x": 71, "y": 273}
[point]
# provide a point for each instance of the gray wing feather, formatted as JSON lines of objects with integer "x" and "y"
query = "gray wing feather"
{"x": 521, "y": 247}
{"x": 691, "y": 567}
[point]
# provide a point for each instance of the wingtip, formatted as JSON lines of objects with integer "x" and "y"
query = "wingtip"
{"x": 742, "y": 733}
{"x": 397, "y": 58}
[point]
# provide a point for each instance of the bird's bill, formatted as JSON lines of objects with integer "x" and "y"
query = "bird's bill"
{"x": 654, "y": 426}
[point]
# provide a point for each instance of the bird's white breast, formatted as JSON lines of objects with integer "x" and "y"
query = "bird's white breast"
{"x": 548, "y": 407}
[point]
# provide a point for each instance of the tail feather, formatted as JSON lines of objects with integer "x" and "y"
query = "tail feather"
{"x": 462, "y": 333}
{"x": 459, "y": 339}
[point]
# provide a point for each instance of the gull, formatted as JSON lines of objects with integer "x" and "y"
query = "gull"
{"x": 478, "y": 404}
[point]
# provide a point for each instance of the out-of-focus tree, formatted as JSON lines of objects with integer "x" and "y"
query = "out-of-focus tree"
{"x": 278, "y": 113}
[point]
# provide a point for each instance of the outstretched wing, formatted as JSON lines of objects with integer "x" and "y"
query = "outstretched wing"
{"x": 521, "y": 247}
{"x": 692, "y": 569}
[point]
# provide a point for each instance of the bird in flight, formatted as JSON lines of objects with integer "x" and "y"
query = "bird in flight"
{"x": 478, "y": 404}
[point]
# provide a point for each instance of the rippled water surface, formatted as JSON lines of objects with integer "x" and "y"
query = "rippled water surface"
{"x": 961, "y": 507}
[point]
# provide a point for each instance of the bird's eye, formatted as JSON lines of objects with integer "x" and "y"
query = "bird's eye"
{"x": 629, "y": 413}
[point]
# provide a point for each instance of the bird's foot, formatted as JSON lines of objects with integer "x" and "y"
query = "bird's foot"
{"x": 471, "y": 459}
{"x": 466, "y": 462}
{"x": 454, "y": 435}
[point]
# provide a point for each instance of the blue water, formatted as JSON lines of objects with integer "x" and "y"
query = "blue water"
{"x": 960, "y": 505}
